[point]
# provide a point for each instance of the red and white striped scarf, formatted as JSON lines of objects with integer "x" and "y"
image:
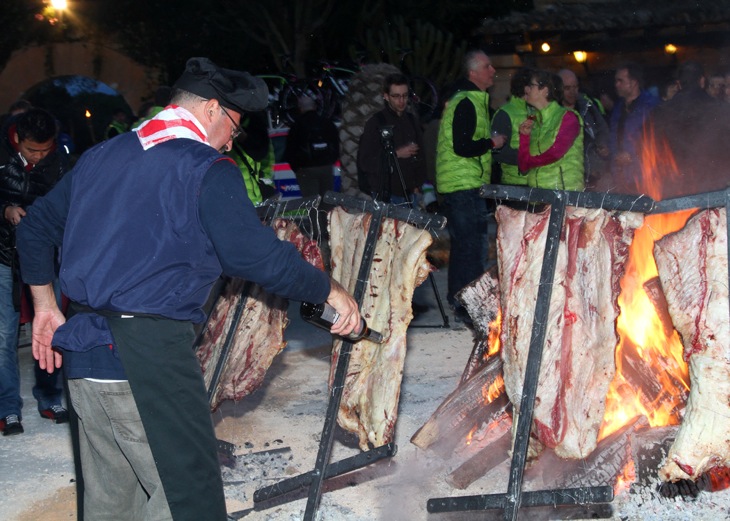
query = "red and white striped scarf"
{"x": 173, "y": 122}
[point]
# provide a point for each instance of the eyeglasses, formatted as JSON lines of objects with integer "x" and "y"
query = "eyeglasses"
{"x": 236, "y": 131}
{"x": 398, "y": 96}
{"x": 538, "y": 85}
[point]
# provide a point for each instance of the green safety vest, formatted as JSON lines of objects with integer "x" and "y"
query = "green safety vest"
{"x": 454, "y": 172}
{"x": 567, "y": 172}
{"x": 120, "y": 127}
{"x": 253, "y": 171}
{"x": 516, "y": 109}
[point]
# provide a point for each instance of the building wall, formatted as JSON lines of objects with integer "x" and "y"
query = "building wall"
{"x": 32, "y": 65}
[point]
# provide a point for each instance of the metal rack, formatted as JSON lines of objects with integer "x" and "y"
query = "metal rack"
{"x": 323, "y": 468}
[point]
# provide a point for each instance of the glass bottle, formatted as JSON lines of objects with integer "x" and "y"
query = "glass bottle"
{"x": 324, "y": 316}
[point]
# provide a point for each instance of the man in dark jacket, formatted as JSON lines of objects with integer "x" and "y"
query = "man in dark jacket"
{"x": 406, "y": 139}
{"x": 30, "y": 165}
{"x": 147, "y": 222}
{"x": 312, "y": 148}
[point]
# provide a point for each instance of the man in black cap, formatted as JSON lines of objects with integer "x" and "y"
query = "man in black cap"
{"x": 147, "y": 223}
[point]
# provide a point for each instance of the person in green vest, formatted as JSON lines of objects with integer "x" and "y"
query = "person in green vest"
{"x": 463, "y": 165}
{"x": 253, "y": 152}
{"x": 551, "y": 140}
{"x": 506, "y": 121}
{"x": 118, "y": 125}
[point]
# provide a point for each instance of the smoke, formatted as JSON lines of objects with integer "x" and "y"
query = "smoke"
{"x": 695, "y": 128}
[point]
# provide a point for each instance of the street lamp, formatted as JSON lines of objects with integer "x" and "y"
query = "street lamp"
{"x": 580, "y": 56}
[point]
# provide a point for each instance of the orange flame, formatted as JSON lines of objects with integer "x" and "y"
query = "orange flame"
{"x": 470, "y": 436}
{"x": 493, "y": 391}
{"x": 643, "y": 336}
{"x": 627, "y": 477}
{"x": 657, "y": 164}
{"x": 495, "y": 327}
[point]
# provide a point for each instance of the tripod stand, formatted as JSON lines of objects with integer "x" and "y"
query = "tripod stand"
{"x": 393, "y": 168}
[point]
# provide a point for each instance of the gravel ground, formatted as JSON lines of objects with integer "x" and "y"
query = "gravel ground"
{"x": 276, "y": 433}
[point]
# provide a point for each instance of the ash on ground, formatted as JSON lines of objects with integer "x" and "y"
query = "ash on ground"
{"x": 246, "y": 473}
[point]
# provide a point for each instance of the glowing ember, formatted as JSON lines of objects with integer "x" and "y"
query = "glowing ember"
{"x": 719, "y": 478}
{"x": 627, "y": 477}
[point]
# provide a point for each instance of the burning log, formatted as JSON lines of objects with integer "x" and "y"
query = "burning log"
{"x": 369, "y": 405}
{"x": 693, "y": 267}
{"x": 604, "y": 465}
{"x": 481, "y": 299}
{"x": 646, "y": 373}
{"x": 654, "y": 291}
{"x": 495, "y": 449}
{"x": 479, "y": 401}
{"x": 259, "y": 333}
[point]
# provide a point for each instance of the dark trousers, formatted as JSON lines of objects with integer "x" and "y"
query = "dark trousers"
{"x": 468, "y": 224}
{"x": 167, "y": 383}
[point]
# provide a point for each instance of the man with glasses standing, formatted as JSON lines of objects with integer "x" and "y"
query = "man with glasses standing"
{"x": 463, "y": 165}
{"x": 407, "y": 136}
{"x": 595, "y": 128}
{"x": 143, "y": 244}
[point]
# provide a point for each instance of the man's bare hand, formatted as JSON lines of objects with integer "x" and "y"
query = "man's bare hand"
{"x": 13, "y": 214}
{"x": 46, "y": 320}
{"x": 346, "y": 306}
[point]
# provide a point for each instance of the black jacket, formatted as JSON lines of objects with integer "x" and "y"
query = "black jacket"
{"x": 312, "y": 141}
{"x": 20, "y": 187}
{"x": 373, "y": 159}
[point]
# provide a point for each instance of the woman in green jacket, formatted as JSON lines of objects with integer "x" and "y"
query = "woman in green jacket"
{"x": 551, "y": 139}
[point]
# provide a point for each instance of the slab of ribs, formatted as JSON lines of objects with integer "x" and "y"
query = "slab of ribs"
{"x": 369, "y": 405}
{"x": 693, "y": 269}
{"x": 578, "y": 356}
{"x": 259, "y": 334}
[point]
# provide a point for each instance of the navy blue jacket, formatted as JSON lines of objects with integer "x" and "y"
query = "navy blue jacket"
{"x": 149, "y": 232}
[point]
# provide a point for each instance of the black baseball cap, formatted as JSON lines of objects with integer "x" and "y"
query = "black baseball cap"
{"x": 235, "y": 90}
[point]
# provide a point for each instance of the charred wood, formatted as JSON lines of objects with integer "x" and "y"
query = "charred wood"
{"x": 653, "y": 289}
{"x": 481, "y": 300}
{"x": 644, "y": 374}
{"x": 464, "y": 409}
{"x": 494, "y": 451}
{"x": 602, "y": 467}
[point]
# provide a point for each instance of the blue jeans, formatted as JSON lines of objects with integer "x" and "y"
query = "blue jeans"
{"x": 48, "y": 387}
{"x": 10, "y": 400}
{"x": 468, "y": 224}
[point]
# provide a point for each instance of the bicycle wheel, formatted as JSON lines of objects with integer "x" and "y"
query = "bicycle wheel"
{"x": 424, "y": 96}
{"x": 289, "y": 100}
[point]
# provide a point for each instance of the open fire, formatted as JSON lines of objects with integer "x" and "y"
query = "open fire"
{"x": 646, "y": 335}
{"x": 651, "y": 382}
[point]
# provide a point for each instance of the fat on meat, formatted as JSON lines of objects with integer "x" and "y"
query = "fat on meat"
{"x": 693, "y": 269}
{"x": 578, "y": 355}
{"x": 369, "y": 405}
{"x": 259, "y": 334}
